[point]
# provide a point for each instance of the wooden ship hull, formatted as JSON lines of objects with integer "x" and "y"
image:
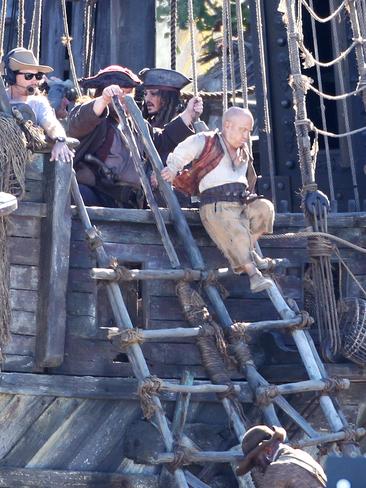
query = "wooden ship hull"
{"x": 71, "y": 412}
{"x": 69, "y": 399}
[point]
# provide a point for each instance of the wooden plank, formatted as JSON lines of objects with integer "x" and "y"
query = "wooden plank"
{"x": 23, "y": 322}
{"x": 19, "y": 363}
{"x": 81, "y": 304}
{"x": 39, "y": 432}
{"x": 106, "y": 438}
{"x": 22, "y": 226}
{"x": 21, "y": 345}
{"x": 92, "y": 388}
{"x": 24, "y": 277}
{"x": 31, "y": 209}
{"x": 26, "y": 300}
{"x": 17, "y": 417}
{"x": 55, "y": 243}
{"x": 33, "y": 192}
{"x": 39, "y": 478}
{"x": 24, "y": 251}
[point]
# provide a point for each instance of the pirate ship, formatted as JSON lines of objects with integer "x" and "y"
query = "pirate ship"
{"x": 135, "y": 358}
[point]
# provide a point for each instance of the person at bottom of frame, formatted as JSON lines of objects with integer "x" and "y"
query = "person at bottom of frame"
{"x": 277, "y": 464}
{"x": 223, "y": 174}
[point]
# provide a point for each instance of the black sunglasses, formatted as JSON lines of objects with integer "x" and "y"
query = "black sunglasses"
{"x": 30, "y": 76}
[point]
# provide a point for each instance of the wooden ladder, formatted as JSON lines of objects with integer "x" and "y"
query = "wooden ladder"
{"x": 291, "y": 319}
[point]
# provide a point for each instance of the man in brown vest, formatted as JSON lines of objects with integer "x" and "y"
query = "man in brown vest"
{"x": 282, "y": 466}
{"x": 223, "y": 175}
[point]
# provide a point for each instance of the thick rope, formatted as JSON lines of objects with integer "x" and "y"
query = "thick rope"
{"x": 322, "y": 110}
{"x": 324, "y": 20}
{"x": 191, "y": 24}
{"x": 224, "y": 56}
{"x": 267, "y": 120}
{"x": 347, "y": 124}
{"x": 147, "y": 389}
{"x": 360, "y": 55}
{"x": 231, "y": 50}
{"x": 66, "y": 41}
{"x": 126, "y": 337}
{"x": 2, "y": 26}
{"x": 242, "y": 61}
{"x": 21, "y": 23}
{"x": 173, "y": 34}
{"x": 301, "y": 235}
{"x": 35, "y": 34}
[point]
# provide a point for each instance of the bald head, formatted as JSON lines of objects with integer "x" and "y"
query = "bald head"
{"x": 237, "y": 124}
{"x": 236, "y": 113}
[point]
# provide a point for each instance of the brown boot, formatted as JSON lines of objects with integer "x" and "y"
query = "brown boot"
{"x": 259, "y": 283}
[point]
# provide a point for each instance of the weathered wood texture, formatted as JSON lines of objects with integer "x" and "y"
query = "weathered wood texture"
{"x": 54, "y": 267}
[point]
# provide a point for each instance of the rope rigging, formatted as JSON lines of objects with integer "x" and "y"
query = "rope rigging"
{"x": 35, "y": 33}
{"x": 66, "y": 41}
{"x": 21, "y": 23}
{"x": 2, "y": 26}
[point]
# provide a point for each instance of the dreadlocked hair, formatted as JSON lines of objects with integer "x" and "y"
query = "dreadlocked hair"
{"x": 171, "y": 107}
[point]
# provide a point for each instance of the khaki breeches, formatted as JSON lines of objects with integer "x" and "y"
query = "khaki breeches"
{"x": 231, "y": 226}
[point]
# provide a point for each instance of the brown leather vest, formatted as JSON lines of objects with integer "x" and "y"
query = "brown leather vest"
{"x": 188, "y": 180}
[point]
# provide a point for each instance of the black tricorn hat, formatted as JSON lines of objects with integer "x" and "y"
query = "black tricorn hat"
{"x": 254, "y": 441}
{"x": 165, "y": 79}
{"x": 111, "y": 75}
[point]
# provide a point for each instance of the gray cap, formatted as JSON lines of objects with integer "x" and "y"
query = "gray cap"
{"x": 166, "y": 79}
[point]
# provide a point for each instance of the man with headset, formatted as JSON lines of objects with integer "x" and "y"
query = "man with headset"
{"x": 23, "y": 75}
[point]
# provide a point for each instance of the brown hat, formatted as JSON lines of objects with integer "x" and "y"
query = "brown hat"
{"x": 254, "y": 441}
{"x": 111, "y": 75}
{"x": 22, "y": 59}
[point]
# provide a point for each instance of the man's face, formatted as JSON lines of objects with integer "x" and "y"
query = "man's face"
{"x": 153, "y": 100}
{"x": 237, "y": 130}
{"x": 28, "y": 78}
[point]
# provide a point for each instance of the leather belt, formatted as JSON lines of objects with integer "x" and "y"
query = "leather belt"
{"x": 230, "y": 192}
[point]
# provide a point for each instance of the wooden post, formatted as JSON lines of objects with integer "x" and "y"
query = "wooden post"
{"x": 54, "y": 267}
{"x": 181, "y": 406}
{"x": 158, "y": 274}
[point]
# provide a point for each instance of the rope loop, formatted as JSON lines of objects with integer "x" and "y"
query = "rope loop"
{"x": 334, "y": 385}
{"x": 127, "y": 337}
{"x": 122, "y": 273}
{"x": 265, "y": 394}
{"x": 181, "y": 456}
{"x": 319, "y": 246}
{"x": 94, "y": 238}
{"x": 306, "y": 320}
{"x": 149, "y": 387}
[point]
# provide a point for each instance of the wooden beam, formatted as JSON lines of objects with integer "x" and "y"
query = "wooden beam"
{"x": 98, "y": 387}
{"x": 55, "y": 255}
{"x": 42, "y": 478}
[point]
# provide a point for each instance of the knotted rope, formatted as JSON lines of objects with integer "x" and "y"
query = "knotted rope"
{"x": 126, "y": 337}
{"x": 149, "y": 387}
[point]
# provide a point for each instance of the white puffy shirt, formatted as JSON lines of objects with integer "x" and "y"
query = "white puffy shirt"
{"x": 191, "y": 149}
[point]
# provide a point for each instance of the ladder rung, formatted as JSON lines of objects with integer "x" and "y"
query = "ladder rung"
{"x": 109, "y": 274}
{"x": 203, "y": 388}
{"x": 265, "y": 394}
{"x": 193, "y": 456}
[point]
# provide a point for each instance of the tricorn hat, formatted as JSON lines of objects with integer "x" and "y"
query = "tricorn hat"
{"x": 254, "y": 441}
{"x": 22, "y": 59}
{"x": 112, "y": 75}
{"x": 165, "y": 79}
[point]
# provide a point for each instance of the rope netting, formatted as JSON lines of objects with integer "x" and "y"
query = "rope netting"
{"x": 13, "y": 158}
{"x": 320, "y": 247}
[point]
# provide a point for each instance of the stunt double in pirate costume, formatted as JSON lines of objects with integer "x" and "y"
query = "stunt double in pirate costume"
{"x": 223, "y": 174}
{"x": 283, "y": 466}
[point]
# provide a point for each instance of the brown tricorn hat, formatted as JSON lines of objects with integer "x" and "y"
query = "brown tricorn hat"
{"x": 112, "y": 75}
{"x": 254, "y": 441}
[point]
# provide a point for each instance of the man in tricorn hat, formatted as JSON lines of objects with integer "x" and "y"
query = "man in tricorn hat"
{"x": 23, "y": 75}
{"x": 283, "y": 466}
{"x": 103, "y": 163}
{"x": 161, "y": 94}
